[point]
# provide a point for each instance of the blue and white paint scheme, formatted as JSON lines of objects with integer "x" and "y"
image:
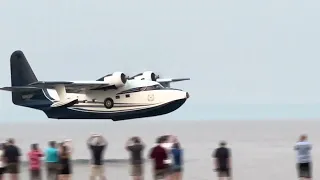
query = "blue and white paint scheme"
{"x": 114, "y": 96}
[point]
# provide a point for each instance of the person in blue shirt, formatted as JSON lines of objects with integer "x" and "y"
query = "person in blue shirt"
{"x": 52, "y": 158}
{"x": 304, "y": 159}
{"x": 177, "y": 164}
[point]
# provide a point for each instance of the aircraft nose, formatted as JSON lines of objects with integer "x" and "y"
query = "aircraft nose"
{"x": 187, "y": 95}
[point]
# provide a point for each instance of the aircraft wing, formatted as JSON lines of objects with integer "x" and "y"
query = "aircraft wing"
{"x": 71, "y": 86}
{"x": 171, "y": 80}
{"x": 166, "y": 82}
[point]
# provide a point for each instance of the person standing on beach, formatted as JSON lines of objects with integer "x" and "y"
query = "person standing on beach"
{"x": 97, "y": 151}
{"x": 35, "y": 162}
{"x": 12, "y": 158}
{"x": 2, "y": 163}
{"x": 304, "y": 163}
{"x": 159, "y": 155}
{"x": 135, "y": 146}
{"x": 52, "y": 158}
{"x": 177, "y": 164}
{"x": 222, "y": 161}
{"x": 65, "y": 169}
{"x": 65, "y": 151}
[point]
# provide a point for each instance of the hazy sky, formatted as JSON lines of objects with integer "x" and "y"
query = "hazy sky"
{"x": 246, "y": 59}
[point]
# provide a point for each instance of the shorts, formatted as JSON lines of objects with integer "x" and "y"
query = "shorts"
{"x": 223, "y": 172}
{"x": 35, "y": 174}
{"x": 136, "y": 169}
{"x": 64, "y": 169}
{"x": 2, "y": 170}
{"x": 52, "y": 168}
{"x": 160, "y": 173}
{"x": 12, "y": 168}
{"x": 176, "y": 169}
{"x": 97, "y": 170}
{"x": 304, "y": 170}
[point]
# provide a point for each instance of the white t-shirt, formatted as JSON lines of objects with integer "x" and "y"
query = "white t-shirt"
{"x": 1, "y": 162}
{"x": 303, "y": 151}
{"x": 168, "y": 147}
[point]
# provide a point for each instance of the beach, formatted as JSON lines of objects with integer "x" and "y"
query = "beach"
{"x": 261, "y": 149}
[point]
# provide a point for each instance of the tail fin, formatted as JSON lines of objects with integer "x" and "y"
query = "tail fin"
{"x": 21, "y": 72}
{"x": 21, "y": 76}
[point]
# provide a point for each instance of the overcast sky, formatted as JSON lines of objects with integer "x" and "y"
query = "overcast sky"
{"x": 246, "y": 59}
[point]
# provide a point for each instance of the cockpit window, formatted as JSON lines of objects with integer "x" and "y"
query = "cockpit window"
{"x": 145, "y": 88}
{"x": 154, "y": 87}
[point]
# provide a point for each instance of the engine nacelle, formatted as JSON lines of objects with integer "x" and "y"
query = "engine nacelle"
{"x": 148, "y": 75}
{"x": 117, "y": 79}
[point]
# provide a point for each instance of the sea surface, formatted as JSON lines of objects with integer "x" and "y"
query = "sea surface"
{"x": 261, "y": 149}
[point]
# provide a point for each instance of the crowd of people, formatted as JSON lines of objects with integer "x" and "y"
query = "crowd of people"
{"x": 166, "y": 155}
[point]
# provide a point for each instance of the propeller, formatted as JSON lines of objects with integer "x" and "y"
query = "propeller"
{"x": 153, "y": 75}
{"x": 157, "y": 76}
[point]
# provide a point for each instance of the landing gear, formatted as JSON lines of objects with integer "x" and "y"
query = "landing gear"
{"x": 108, "y": 103}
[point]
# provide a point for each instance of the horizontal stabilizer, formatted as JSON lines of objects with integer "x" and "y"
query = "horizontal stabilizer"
{"x": 172, "y": 80}
{"x": 19, "y": 88}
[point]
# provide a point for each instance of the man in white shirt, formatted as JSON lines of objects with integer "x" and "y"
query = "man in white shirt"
{"x": 303, "y": 148}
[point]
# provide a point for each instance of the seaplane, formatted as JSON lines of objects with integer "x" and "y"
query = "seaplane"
{"x": 114, "y": 96}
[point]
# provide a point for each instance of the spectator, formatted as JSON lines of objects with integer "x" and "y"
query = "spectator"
{"x": 64, "y": 163}
{"x": 2, "y": 163}
{"x": 52, "y": 158}
{"x": 12, "y": 158}
{"x": 304, "y": 164}
{"x": 222, "y": 156}
{"x": 35, "y": 162}
{"x": 159, "y": 154}
{"x": 135, "y": 147}
{"x": 97, "y": 151}
{"x": 177, "y": 164}
{"x": 168, "y": 141}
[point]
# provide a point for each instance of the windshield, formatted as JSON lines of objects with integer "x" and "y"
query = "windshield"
{"x": 146, "y": 88}
{"x": 154, "y": 87}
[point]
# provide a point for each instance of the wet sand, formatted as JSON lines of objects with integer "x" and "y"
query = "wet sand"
{"x": 82, "y": 172}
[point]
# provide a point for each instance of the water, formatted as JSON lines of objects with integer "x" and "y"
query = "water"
{"x": 261, "y": 149}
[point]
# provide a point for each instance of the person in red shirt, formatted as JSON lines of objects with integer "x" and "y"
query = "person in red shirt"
{"x": 35, "y": 162}
{"x": 159, "y": 154}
